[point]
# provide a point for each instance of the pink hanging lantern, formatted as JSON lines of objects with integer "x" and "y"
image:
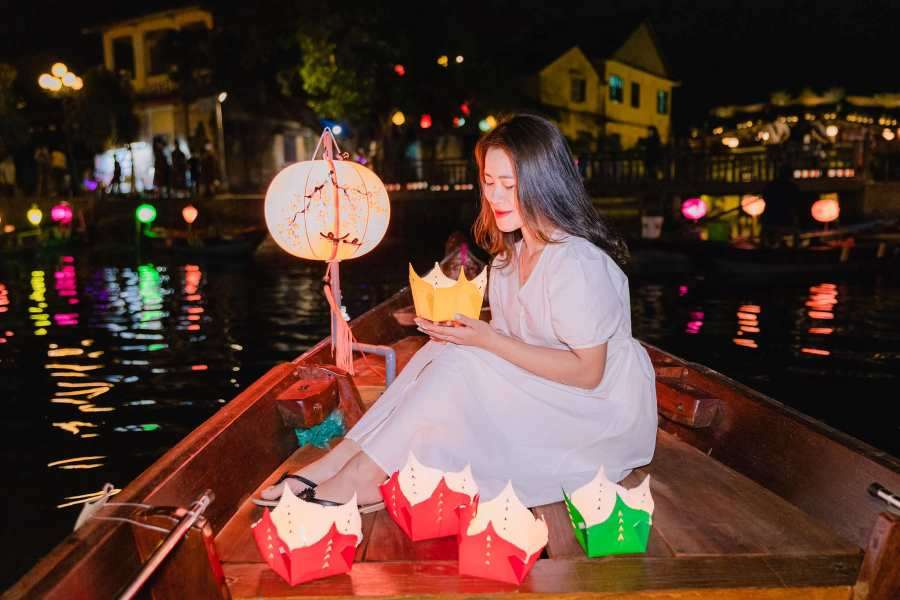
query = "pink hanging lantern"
{"x": 826, "y": 209}
{"x": 61, "y": 213}
{"x": 693, "y": 209}
{"x": 189, "y": 214}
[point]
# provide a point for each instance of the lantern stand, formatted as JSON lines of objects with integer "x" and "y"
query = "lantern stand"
{"x": 342, "y": 341}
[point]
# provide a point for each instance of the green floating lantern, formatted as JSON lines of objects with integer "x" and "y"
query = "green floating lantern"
{"x": 609, "y": 519}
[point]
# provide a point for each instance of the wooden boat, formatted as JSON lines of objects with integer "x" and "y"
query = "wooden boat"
{"x": 753, "y": 500}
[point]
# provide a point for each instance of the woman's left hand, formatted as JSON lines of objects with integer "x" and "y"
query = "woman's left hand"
{"x": 465, "y": 331}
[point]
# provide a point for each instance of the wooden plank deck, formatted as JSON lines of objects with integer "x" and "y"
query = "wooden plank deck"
{"x": 715, "y": 533}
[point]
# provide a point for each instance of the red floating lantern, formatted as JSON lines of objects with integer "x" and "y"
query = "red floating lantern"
{"x": 425, "y": 121}
{"x": 400, "y": 70}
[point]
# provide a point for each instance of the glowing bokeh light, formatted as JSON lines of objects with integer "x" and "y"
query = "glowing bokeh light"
{"x": 34, "y": 215}
{"x": 61, "y": 213}
{"x": 826, "y": 209}
{"x": 693, "y": 209}
{"x": 189, "y": 213}
{"x": 145, "y": 213}
{"x": 753, "y": 205}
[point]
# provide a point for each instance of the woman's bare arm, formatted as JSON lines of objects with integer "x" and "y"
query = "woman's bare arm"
{"x": 581, "y": 367}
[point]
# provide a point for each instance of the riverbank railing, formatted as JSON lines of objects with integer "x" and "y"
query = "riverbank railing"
{"x": 677, "y": 167}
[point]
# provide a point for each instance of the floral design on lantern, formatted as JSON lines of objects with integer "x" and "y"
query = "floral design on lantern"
{"x": 327, "y": 210}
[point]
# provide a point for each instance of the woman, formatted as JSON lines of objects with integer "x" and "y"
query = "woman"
{"x": 553, "y": 387}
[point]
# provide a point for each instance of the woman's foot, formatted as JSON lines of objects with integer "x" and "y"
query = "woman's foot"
{"x": 361, "y": 476}
{"x": 295, "y": 481}
{"x": 321, "y": 470}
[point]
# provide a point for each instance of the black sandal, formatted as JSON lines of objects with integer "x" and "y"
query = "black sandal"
{"x": 285, "y": 476}
{"x": 300, "y": 478}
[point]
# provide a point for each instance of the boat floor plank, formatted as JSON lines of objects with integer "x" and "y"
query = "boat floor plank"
{"x": 712, "y": 528}
{"x": 702, "y": 507}
{"x": 670, "y": 578}
{"x": 390, "y": 543}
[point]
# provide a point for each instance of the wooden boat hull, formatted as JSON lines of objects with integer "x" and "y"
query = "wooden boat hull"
{"x": 758, "y": 502}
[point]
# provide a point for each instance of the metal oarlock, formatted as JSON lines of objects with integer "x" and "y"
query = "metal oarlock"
{"x": 168, "y": 544}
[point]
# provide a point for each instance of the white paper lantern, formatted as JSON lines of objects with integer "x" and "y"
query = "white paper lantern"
{"x": 327, "y": 210}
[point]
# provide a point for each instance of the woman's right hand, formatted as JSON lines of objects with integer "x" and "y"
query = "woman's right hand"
{"x": 429, "y": 322}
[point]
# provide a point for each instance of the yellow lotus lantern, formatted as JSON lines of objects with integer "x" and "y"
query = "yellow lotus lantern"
{"x": 437, "y": 297}
{"x": 330, "y": 210}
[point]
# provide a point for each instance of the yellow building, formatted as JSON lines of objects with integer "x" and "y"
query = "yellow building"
{"x": 610, "y": 90}
{"x": 251, "y": 143}
{"x": 132, "y": 48}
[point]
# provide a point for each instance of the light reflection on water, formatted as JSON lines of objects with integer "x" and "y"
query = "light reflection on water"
{"x": 811, "y": 344}
{"x": 103, "y": 367}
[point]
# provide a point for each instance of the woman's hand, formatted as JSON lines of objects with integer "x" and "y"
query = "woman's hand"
{"x": 464, "y": 331}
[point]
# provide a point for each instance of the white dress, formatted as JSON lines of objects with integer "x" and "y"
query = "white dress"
{"x": 455, "y": 405}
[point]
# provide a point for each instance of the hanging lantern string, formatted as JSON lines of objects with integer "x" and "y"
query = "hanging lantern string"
{"x": 342, "y": 350}
{"x": 343, "y": 155}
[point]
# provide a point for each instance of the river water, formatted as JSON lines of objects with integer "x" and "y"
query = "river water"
{"x": 105, "y": 364}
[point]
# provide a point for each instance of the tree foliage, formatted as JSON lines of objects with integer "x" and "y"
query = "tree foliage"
{"x": 334, "y": 90}
{"x": 101, "y": 113}
{"x": 13, "y": 126}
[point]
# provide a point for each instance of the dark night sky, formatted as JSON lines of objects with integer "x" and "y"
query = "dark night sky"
{"x": 722, "y": 51}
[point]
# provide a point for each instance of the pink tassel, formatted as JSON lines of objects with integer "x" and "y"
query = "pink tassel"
{"x": 342, "y": 349}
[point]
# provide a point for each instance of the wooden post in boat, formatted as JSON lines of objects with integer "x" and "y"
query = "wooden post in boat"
{"x": 879, "y": 576}
{"x": 193, "y": 569}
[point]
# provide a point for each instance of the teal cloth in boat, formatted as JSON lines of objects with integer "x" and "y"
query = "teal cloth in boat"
{"x": 321, "y": 434}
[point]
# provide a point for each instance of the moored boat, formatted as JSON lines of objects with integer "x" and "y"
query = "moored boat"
{"x": 753, "y": 500}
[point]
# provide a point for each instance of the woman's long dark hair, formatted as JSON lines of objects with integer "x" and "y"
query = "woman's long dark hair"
{"x": 549, "y": 188}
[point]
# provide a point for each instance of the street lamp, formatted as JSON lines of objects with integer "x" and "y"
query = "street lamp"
{"x": 61, "y": 80}
{"x": 220, "y": 99}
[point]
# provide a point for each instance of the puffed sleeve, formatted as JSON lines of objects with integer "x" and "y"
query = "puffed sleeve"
{"x": 586, "y": 306}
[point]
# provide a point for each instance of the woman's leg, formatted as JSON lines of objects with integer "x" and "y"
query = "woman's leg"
{"x": 317, "y": 471}
{"x": 361, "y": 475}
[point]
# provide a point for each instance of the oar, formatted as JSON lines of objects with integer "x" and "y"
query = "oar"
{"x": 877, "y": 490}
